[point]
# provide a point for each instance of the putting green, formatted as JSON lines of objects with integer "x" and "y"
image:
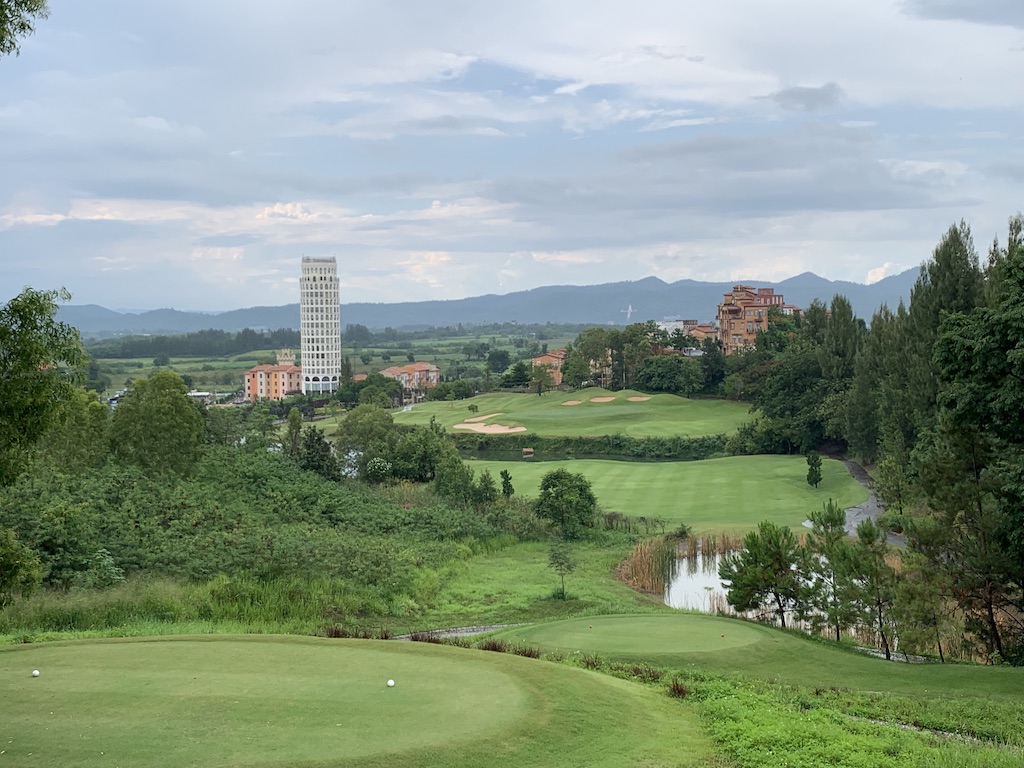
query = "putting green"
{"x": 647, "y": 636}
{"x": 283, "y": 701}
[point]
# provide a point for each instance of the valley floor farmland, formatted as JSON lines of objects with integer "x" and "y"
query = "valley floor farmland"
{"x": 730, "y": 494}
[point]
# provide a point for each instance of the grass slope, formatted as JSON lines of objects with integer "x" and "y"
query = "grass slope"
{"x": 276, "y": 701}
{"x": 736, "y": 647}
{"x": 660, "y": 416}
{"x": 730, "y": 494}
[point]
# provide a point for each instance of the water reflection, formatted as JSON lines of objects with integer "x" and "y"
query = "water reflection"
{"x": 695, "y": 584}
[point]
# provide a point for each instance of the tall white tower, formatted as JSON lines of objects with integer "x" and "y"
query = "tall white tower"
{"x": 320, "y": 330}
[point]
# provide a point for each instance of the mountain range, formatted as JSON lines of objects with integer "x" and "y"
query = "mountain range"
{"x": 610, "y": 303}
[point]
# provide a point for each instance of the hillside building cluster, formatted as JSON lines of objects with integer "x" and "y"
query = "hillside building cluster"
{"x": 319, "y": 371}
{"x": 742, "y": 314}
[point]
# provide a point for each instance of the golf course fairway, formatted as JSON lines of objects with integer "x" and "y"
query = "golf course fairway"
{"x": 289, "y": 701}
{"x": 589, "y": 413}
{"x": 729, "y": 494}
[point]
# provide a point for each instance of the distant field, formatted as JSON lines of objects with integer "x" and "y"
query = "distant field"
{"x": 732, "y": 494}
{"x": 658, "y": 416}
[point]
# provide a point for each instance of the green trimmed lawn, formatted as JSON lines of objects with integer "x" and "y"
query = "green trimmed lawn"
{"x": 284, "y": 701}
{"x": 658, "y": 416}
{"x": 736, "y": 647}
{"x": 730, "y": 494}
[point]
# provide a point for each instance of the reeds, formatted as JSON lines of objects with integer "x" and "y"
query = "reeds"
{"x": 651, "y": 565}
{"x": 723, "y": 543}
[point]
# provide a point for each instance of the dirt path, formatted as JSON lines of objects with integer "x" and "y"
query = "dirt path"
{"x": 870, "y": 509}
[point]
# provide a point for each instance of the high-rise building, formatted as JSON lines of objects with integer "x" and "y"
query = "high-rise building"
{"x": 743, "y": 314}
{"x": 320, "y": 329}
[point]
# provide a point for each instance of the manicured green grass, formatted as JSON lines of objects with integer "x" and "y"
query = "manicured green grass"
{"x": 735, "y": 647}
{"x": 730, "y": 494}
{"x": 660, "y": 416}
{"x": 308, "y": 701}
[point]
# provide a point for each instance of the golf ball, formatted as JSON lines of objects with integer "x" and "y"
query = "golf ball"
{"x": 35, "y": 673}
{"x": 391, "y": 683}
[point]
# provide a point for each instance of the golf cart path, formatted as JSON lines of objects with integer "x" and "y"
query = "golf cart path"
{"x": 871, "y": 509}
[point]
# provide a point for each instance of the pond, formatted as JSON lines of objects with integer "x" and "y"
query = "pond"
{"x": 695, "y": 585}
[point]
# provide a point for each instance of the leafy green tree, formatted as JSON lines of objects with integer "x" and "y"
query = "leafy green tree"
{"x": 82, "y": 440}
{"x": 20, "y": 571}
{"x": 874, "y": 582}
{"x": 18, "y": 20}
{"x": 486, "y": 491}
{"x": 366, "y": 358}
{"x": 499, "y": 360}
{"x": 224, "y": 426}
{"x": 157, "y": 427}
{"x": 294, "y": 438}
{"x": 920, "y": 607}
{"x": 518, "y": 375}
{"x": 161, "y": 361}
{"x": 345, "y": 369}
{"x": 813, "y": 469}
{"x": 575, "y": 369}
{"x": 767, "y": 572}
{"x": 892, "y": 480}
{"x": 506, "y": 484}
{"x": 316, "y": 454}
{"x": 453, "y": 481}
{"x": 39, "y": 360}
{"x": 674, "y": 374}
{"x": 712, "y": 365}
{"x": 830, "y": 586}
{"x": 566, "y": 500}
{"x": 540, "y": 378}
{"x": 375, "y": 396}
{"x": 562, "y": 562}
{"x": 365, "y": 428}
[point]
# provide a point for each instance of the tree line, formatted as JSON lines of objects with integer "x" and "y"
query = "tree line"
{"x": 930, "y": 394}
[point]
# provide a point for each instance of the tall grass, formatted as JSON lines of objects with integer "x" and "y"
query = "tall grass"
{"x": 651, "y": 564}
{"x": 284, "y": 605}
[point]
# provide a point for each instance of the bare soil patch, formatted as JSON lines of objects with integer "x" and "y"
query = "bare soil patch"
{"x": 601, "y": 399}
{"x": 636, "y": 399}
{"x": 489, "y": 429}
{"x": 572, "y": 402}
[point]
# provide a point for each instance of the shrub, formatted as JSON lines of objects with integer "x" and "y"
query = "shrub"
{"x": 678, "y": 689}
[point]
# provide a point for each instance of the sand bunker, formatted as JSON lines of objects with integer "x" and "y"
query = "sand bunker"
{"x": 489, "y": 429}
{"x": 572, "y": 402}
{"x": 482, "y": 418}
{"x": 637, "y": 399}
{"x": 601, "y": 399}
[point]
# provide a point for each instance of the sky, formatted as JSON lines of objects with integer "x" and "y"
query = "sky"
{"x": 187, "y": 154}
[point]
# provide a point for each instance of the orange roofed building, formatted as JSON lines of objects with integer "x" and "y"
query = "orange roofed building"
{"x": 274, "y": 382}
{"x": 553, "y": 362}
{"x": 414, "y": 377}
{"x": 743, "y": 314}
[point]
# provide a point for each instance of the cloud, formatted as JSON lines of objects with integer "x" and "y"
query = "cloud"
{"x": 808, "y": 99}
{"x": 996, "y": 12}
{"x": 527, "y": 143}
{"x": 876, "y": 274}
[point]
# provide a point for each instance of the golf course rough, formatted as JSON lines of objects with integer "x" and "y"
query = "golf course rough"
{"x": 288, "y": 701}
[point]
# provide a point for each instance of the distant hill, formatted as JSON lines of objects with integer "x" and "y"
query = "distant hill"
{"x": 650, "y": 298}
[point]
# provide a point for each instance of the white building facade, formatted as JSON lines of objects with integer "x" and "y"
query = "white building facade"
{"x": 320, "y": 329}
